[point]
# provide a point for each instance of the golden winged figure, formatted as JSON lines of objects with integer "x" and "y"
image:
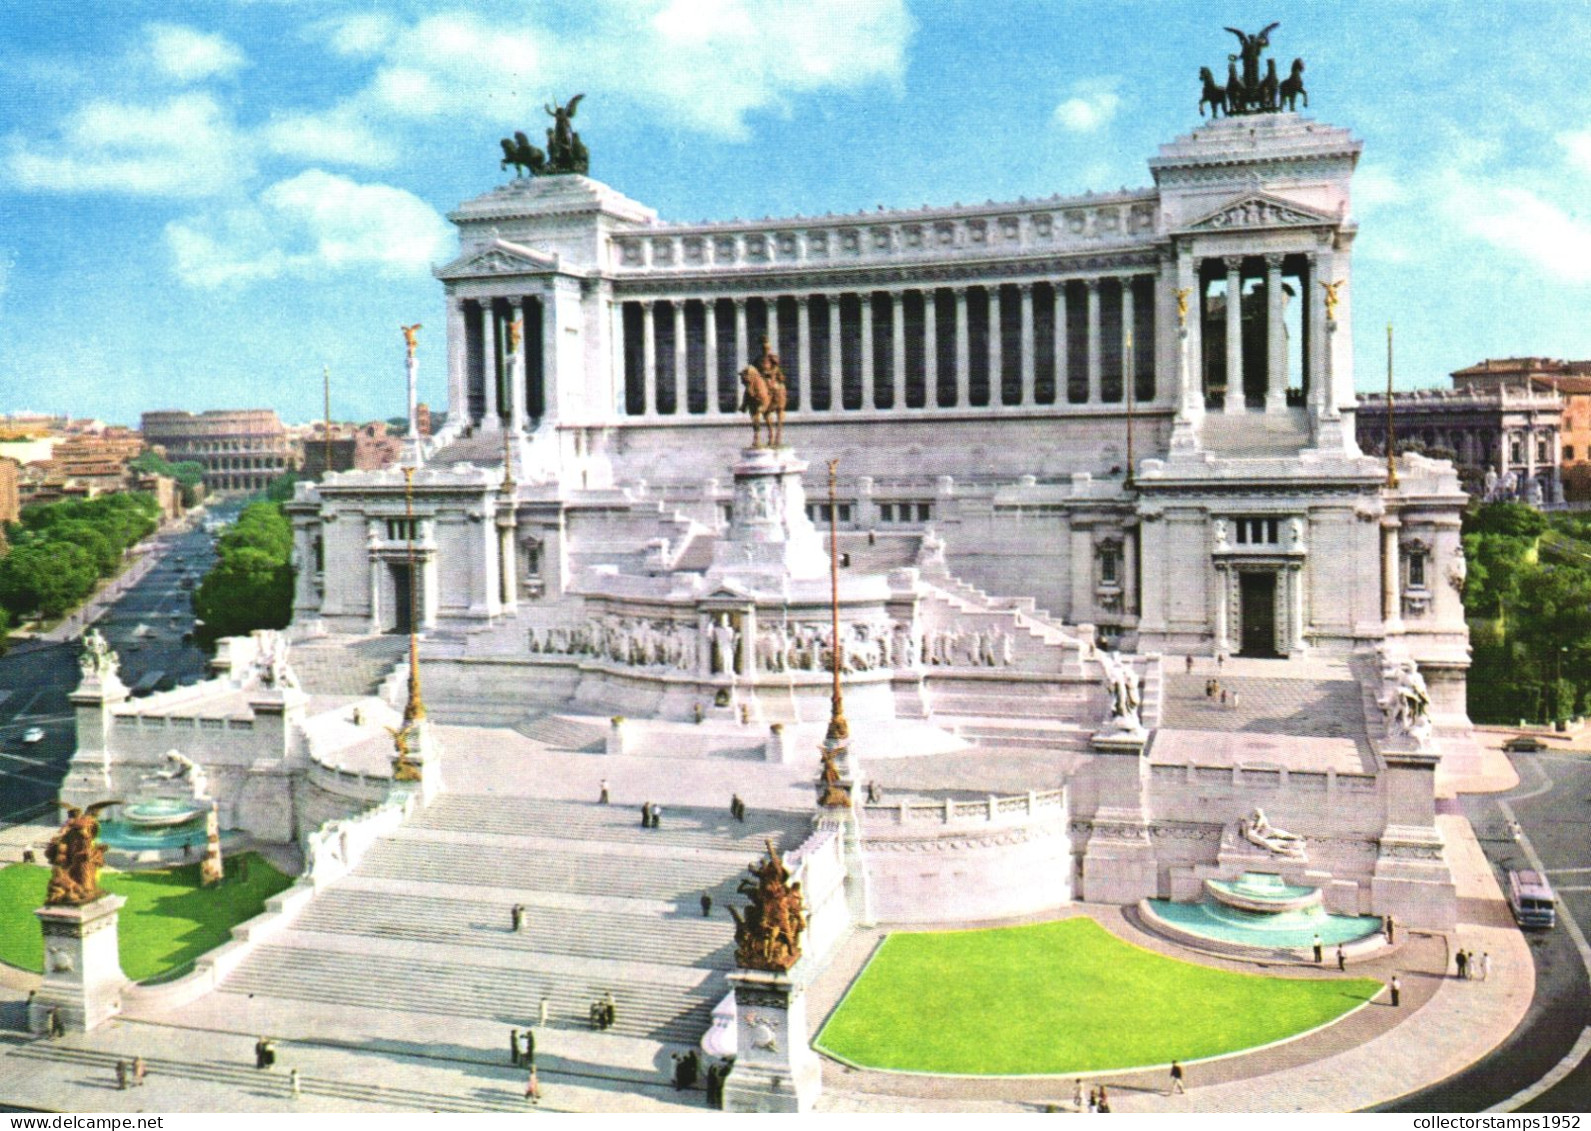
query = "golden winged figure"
{"x": 411, "y": 337}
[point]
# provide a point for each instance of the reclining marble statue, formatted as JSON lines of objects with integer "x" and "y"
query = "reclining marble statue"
{"x": 1258, "y": 830}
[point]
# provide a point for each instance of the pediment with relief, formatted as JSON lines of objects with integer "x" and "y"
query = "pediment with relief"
{"x": 498, "y": 257}
{"x": 1259, "y": 210}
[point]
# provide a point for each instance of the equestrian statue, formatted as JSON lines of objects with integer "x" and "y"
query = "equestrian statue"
{"x": 764, "y": 397}
{"x": 565, "y": 152}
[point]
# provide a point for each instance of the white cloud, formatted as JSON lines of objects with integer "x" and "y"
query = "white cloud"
{"x": 188, "y": 55}
{"x": 1091, "y": 107}
{"x": 338, "y": 136}
{"x": 185, "y": 146}
{"x": 1374, "y": 186}
{"x": 1577, "y": 150}
{"x": 1521, "y": 222}
{"x": 314, "y": 223}
{"x": 359, "y": 36}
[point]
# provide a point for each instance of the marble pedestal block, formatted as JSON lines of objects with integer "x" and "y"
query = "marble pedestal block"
{"x": 776, "y": 1069}
{"x": 1412, "y": 881}
{"x": 770, "y": 539}
{"x": 83, "y": 976}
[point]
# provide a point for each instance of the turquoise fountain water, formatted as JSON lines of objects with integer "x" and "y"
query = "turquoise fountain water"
{"x": 160, "y": 823}
{"x": 1262, "y": 910}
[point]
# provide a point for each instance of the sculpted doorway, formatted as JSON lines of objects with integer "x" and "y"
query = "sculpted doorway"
{"x": 1257, "y": 601}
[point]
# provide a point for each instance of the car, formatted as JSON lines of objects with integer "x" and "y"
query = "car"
{"x": 33, "y": 734}
{"x": 1524, "y": 744}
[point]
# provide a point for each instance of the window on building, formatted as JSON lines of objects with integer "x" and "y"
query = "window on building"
{"x": 925, "y": 512}
{"x": 1543, "y": 451}
{"x": 1516, "y": 451}
{"x": 886, "y": 512}
{"x": 1416, "y": 569}
{"x": 1568, "y": 453}
{"x": 403, "y": 529}
{"x": 1257, "y": 531}
{"x": 1110, "y": 565}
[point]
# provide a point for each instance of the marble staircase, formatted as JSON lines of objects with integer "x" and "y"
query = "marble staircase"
{"x": 423, "y": 925}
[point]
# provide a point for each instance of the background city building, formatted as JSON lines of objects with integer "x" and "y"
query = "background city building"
{"x": 241, "y": 450}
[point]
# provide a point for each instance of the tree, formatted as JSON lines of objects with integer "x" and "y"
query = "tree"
{"x": 1515, "y": 520}
{"x": 45, "y": 577}
{"x": 281, "y": 488}
{"x": 251, "y": 586}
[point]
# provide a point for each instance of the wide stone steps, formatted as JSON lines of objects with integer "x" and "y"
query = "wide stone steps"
{"x": 510, "y": 995}
{"x": 624, "y": 876}
{"x": 684, "y": 940}
{"x": 615, "y": 825}
{"x": 345, "y": 667}
{"x": 1024, "y": 737}
{"x": 1002, "y": 705}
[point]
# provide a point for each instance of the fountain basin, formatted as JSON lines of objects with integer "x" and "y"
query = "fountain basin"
{"x": 1262, "y": 893}
{"x": 160, "y": 812}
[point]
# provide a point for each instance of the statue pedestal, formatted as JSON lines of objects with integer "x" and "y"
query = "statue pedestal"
{"x": 83, "y": 976}
{"x": 770, "y": 538}
{"x": 775, "y": 1069}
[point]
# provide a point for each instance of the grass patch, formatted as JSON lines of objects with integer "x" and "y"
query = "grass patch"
{"x": 1062, "y": 997}
{"x": 167, "y": 922}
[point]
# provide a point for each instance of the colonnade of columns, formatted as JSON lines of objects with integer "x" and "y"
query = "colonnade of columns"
{"x": 1042, "y": 343}
{"x": 495, "y": 382}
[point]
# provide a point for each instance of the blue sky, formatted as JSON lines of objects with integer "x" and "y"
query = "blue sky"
{"x": 202, "y": 203}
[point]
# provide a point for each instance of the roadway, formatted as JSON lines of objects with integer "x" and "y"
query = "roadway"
{"x": 145, "y": 623}
{"x": 1549, "y": 804}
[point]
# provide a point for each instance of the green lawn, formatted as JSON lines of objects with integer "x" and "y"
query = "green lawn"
{"x": 167, "y": 922}
{"x": 1062, "y": 997}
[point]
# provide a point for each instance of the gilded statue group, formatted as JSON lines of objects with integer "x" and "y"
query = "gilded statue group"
{"x": 565, "y": 152}
{"x": 1251, "y": 92}
{"x": 76, "y": 857}
{"x": 764, "y": 397}
{"x": 768, "y": 932}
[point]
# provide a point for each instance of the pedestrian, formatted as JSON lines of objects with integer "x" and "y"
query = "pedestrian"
{"x": 1486, "y": 966}
{"x": 646, "y": 814}
{"x": 1342, "y": 960}
{"x": 707, "y": 905}
{"x": 679, "y": 1072}
{"x": 1320, "y": 951}
{"x": 292, "y": 1084}
{"x": 121, "y": 1075}
{"x": 1220, "y": 661}
{"x": 1093, "y": 1100}
{"x": 657, "y": 816}
{"x": 875, "y": 796}
{"x": 602, "y": 798}
{"x": 529, "y": 1057}
{"x": 1396, "y": 989}
{"x": 737, "y": 807}
{"x": 1190, "y": 663}
{"x": 1176, "y": 1078}
{"x": 545, "y": 1011}
{"x": 259, "y": 1053}
{"x": 533, "y": 1086}
{"x": 1386, "y": 928}
{"x": 1104, "y": 1101}
{"x": 1462, "y": 962}
{"x": 513, "y": 1047}
{"x": 691, "y": 1066}
{"x": 1209, "y": 688}
{"x": 1223, "y": 697}
{"x": 139, "y": 1071}
{"x": 516, "y": 918}
{"x": 1234, "y": 700}
{"x": 609, "y": 1009}
{"x": 1077, "y": 1095}
{"x": 57, "y": 1025}
{"x": 28, "y": 857}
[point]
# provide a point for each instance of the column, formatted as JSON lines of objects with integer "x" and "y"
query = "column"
{"x": 742, "y": 353}
{"x": 772, "y": 305}
{"x": 1094, "y": 362}
{"x": 1318, "y": 376}
{"x": 1129, "y": 572}
{"x": 1530, "y": 451}
{"x": 1234, "y": 335}
{"x": 458, "y": 396}
{"x": 1025, "y": 396}
{"x": 963, "y": 352}
{"x": 489, "y": 363}
{"x": 1296, "y": 629}
{"x": 648, "y": 360}
{"x": 517, "y": 368}
{"x": 1275, "y": 337}
{"x": 897, "y": 352}
{"x": 804, "y": 348}
{"x": 1391, "y": 603}
{"x": 507, "y": 567}
{"x": 616, "y": 350}
{"x": 1061, "y": 352}
{"x": 1222, "y": 612}
{"x": 930, "y": 348}
{"x": 869, "y": 394}
{"x": 710, "y": 332}
{"x": 836, "y": 362}
{"x": 681, "y": 380}
{"x": 996, "y": 348}
{"x": 1129, "y": 357}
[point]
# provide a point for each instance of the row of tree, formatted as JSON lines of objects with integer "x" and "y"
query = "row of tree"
{"x": 1528, "y": 599}
{"x": 251, "y": 584}
{"x": 60, "y": 551}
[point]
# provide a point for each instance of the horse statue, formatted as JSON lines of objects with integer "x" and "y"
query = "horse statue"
{"x": 1292, "y": 88}
{"x": 1214, "y": 94}
{"x": 764, "y": 401}
{"x": 526, "y": 159}
{"x": 1236, "y": 100}
{"x": 1268, "y": 86}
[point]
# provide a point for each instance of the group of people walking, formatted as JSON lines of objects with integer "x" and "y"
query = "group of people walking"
{"x": 1471, "y": 968}
{"x": 604, "y": 1011}
{"x": 130, "y": 1074}
{"x": 651, "y": 815}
